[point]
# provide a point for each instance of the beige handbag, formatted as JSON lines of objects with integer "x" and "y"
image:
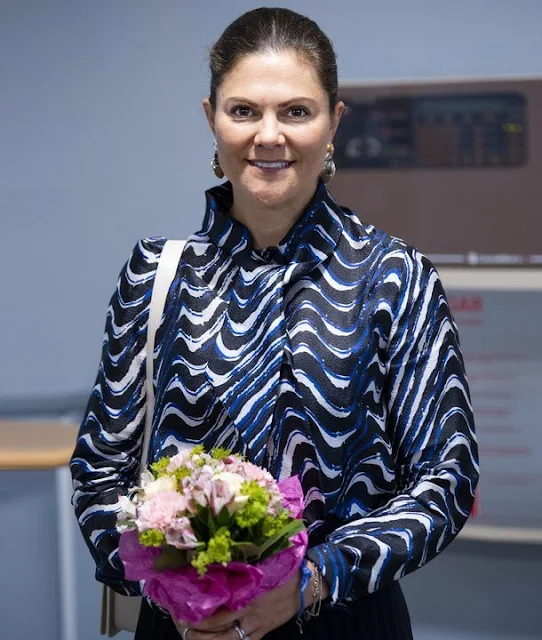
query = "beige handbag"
{"x": 120, "y": 613}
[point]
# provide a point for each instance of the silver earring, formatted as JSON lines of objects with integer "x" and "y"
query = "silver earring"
{"x": 215, "y": 163}
{"x": 329, "y": 169}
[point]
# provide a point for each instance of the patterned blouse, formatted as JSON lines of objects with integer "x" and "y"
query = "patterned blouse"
{"x": 333, "y": 356}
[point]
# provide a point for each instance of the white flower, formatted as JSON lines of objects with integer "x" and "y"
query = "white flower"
{"x": 180, "y": 459}
{"x": 233, "y": 482}
{"x": 127, "y": 508}
{"x": 146, "y": 478}
{"x": 164, "y": 483}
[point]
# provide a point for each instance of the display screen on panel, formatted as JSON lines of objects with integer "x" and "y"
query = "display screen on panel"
{"x": 453, "y": 167}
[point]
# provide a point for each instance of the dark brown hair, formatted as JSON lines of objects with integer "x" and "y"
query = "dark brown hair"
{"x": 274, "y": 29}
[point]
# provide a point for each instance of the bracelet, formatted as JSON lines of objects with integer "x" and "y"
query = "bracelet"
{"x": 317, "y": 595}
{"x": 314, "y": 610}
{"x": 305, "y": 577}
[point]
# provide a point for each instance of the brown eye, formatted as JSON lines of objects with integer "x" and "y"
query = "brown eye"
{"x": 241, "y": 111}
{"x": 299, "y": 112}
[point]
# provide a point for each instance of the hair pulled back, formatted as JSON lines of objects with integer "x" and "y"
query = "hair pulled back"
{"x": 274, "y": 29}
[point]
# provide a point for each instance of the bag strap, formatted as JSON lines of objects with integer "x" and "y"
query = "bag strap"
{"x": 165, "y": 273}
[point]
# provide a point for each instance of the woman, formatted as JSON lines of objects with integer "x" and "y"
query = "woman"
{"x": 313, "y": 343}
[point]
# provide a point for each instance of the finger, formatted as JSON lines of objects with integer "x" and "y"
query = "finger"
{"x": 246, "y": 629}
{"x": 184, "y": 631}
{"x": 208, "y": 631}
{"x": 235, "y": 633}
{"x": 241, "y": 630}
{"x": 189, "y": 633}
{"x": 219, "y": 621}
{"x": 228, "y": 634}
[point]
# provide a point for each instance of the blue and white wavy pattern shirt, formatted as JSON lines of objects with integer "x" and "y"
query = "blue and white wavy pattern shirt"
{"x": 333, "y": 356}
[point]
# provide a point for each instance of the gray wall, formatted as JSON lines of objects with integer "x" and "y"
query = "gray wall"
{"x": 103, "y": 141}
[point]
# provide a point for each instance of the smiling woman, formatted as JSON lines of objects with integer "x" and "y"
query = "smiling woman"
{"x": 312, "y": 343}
{"x": 273, "y": 126}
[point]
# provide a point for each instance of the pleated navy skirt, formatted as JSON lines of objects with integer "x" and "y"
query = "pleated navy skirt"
{"x": 380, "y": 616}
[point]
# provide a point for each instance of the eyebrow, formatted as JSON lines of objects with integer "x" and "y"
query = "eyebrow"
{"x": 282, "y": 104}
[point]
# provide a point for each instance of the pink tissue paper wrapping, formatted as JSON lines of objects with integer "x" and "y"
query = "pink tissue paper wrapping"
{"x": 190, "y": 597}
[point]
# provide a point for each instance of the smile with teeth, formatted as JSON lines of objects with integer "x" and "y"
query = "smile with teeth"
{"x": 276, "y": 164}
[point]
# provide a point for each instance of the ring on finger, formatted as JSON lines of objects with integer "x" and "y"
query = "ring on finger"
{"x": 242, "y": 635}
{"x": 184, "y": 633}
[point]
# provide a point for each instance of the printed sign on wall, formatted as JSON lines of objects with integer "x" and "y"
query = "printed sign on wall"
{"x": 501, "y": 339}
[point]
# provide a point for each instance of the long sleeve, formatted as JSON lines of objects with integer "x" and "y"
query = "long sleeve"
{"x": 105, "y": 463}
{"x": 430, "y": 425}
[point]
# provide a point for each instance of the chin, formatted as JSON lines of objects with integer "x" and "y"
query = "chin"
{"x": 272, "y": 194}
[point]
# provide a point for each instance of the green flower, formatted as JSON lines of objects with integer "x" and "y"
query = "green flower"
{"x": 159, "y": 468}
{"x": 255, "y": 508}
{"x": 220, "y": 453}
{"x": 218, "y": 551}
{"x": 271, "y": 525}
{"x": 219, "y": 546}
{"x": 198, "y": 450}
{"x": 199, "y": 457}
{"x": 179, "y": 474}
{"x": 152, "y": 538}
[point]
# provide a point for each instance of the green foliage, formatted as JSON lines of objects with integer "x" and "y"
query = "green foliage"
{"x": 159, "y": 467}
{"x": 249, "y": 534}
{"x": 271, "y": 525}
{"x": 218, "y": 551}
{"x": 151, "y": 538}
{"x": 280, "y": 540}
{"x": 255, "y": 508}
{"x": 170, "y": 558}
{"x": 179, "y": 474}
{"x": 219, "y": 453}
{"x": 197, "y": 450}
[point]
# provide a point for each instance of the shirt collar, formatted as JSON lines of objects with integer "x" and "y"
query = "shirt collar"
{"x": 312, "y": 238}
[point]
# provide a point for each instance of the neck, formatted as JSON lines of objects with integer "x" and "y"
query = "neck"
{"x": 268, "y": 224}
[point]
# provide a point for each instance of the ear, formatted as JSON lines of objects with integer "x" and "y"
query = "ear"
{"x": 209, "y": 113}
{"x": 336, "y": 118}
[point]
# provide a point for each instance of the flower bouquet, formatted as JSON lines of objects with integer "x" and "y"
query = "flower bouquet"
{"x": 210, "y": 530}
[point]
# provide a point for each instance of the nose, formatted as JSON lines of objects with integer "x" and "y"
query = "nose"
{"x": 269, "y": 132}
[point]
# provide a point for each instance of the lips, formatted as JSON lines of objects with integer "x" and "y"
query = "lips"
{"x": 271, "y": 164}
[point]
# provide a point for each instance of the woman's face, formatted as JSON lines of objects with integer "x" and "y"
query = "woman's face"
{"x": 272, "y": 125}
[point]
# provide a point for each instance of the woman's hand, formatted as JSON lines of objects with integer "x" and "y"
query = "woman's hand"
{"x": 260, "y": 617}
{"x": 266, "y": 613}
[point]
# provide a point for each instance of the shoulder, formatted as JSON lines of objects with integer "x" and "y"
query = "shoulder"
{"x": 131, "y": 297}
{"x": 137, "y": 274}
{"x": 143, "y": 260}
{"x": 145, "y": 255}
{"x": 387, "y": 252}
{"x": 395, "y": 273}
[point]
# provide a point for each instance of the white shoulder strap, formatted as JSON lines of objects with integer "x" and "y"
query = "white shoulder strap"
{"x": 165, "y": 272}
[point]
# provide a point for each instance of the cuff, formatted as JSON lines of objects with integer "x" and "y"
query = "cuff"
{"x": 334, "y": 569}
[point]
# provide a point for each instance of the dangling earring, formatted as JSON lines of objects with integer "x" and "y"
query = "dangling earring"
{"x": 329, "y": 169}
{"x": 215, "y": 163}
